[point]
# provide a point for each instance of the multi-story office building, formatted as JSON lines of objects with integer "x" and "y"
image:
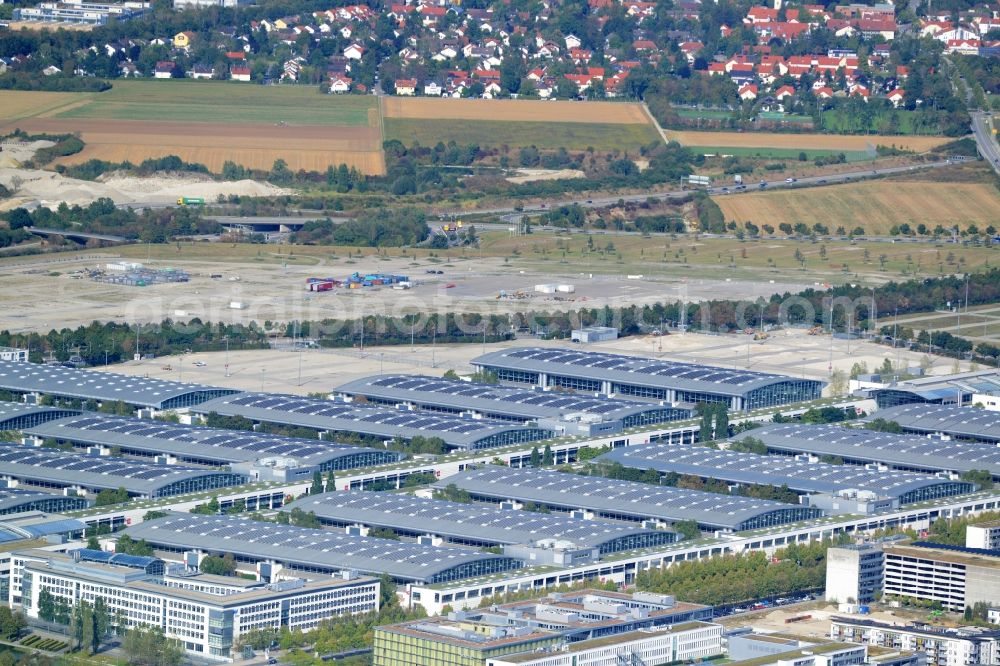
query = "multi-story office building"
{"x": 687, "y": 643}
{"x": 956, "y": 577}
{"x": 854, "y": 573}
{"x": 588, "y": 627}
{"x": 966, "y": 646}
{"x": 984, "y": 536}
{"x": 206, "y": 613}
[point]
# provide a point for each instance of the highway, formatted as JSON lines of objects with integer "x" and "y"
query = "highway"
{"x": 600, "y": 202}
{"x": 985, "y": 140}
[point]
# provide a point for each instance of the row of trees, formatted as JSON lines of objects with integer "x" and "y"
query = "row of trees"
{"x": 732, "y": 579}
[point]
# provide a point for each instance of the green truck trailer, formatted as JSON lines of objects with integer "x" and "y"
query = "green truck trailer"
{"x": 190, "y": 201}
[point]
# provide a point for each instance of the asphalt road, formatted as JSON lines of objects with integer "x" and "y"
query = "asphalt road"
{"x": 987, "y": 143}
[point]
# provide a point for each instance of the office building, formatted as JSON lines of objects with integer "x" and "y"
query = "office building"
{"x": 587, "y": 624}
{"x": 81, "y": 12}
{"x": 958, "y": 389}
{"x": 13, "y": 354}
{"x": 207, "y": 614}
{"x": 659, "y": 379}
{"x": 955, "y": 577}
{"x": 854, "y": 573}
{"x": 964, "y": 646}
{"x": 983, "y": 536}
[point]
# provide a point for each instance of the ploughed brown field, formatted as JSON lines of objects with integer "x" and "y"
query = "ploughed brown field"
{"x": 514, "y": 110}
{"x": 256, "y": 146}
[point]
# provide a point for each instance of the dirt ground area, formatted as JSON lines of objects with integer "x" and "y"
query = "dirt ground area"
{"x": 814, "y": 141}
{"x": 532, "y": 175}
{"x": 818, "y": 626}
{"x": 253, "y": 146}
{"x": 46, "y": 188}
{"x": 514, "y": 110}
{"x": 271, "y": 285}
{"x": 321, "y": 370}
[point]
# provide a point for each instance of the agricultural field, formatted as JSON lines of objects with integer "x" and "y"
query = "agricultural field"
{"x": 15, "y": 104}
{"x": 210, "y": 123}
{"x": 783, "y": 153}
{"x": 572, "y": 136}
{"x": 603, "y": 126}
{"x": 805, "y": 141}
{"x": 876, "y": 206}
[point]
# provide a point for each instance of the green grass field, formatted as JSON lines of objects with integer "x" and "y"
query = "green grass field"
{"x": 543, "y": 135}
{"x": 209, "y": 101}
{"x": 841, "y": 123}
{"x": 781, "y": 153}
{"x": 705, "y": 114}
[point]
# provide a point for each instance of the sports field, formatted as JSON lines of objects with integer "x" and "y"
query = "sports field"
{"x": 603, "y": 126}
{"x": 876, "y": 205}
{"x": 804, "y": 141}
{"x": 210, "y": 123}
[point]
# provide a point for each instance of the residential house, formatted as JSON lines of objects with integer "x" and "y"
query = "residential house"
{"x": 406, "y": 86}
{"x": 164, "y": 69}
{"x": 201, "y": 72}
{"x": 340, "y": 84}
{"x": 896, "y": 97}
{"x": 433, "y": 89}
{"x": 183, "y": 40}
{"x": 354, "y": 52}
{"x": 748, "y": 93}
{"x": 239, "y": 73}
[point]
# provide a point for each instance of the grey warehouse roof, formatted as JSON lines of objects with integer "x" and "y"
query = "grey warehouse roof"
{"x": 948, "y": 387}
{"x": 479, "y": 523}
{"x": 205, "y": 445}
{"x": 102, "y": 386}
{"x": 17, "y": 500}
{"x": 738, "y": 467}
{"x": 906, "y": 451}
{"x": 380, "y": 422}
{"x": 964, "y": 422}
{"x": 623, "y": 498}
{"x": 62, "y": 469}
{"x": 19, "y": 415}
{"x": 636, "y": 370}
{"x": 311, "y": 548}
{"x": 522, "y": 404}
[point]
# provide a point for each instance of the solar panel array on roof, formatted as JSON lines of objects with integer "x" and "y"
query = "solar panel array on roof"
{"x": 508, "y": 403}
{"x": 646, "y": 377}
{"x": 614, "y": 499}
{"x": 807, "y": 477}
{"x": 382, "y": 422}
{"x": 479, "y": 523}
{"x": 56, "y": 468}
{"x": 905, "y": 451}
{"x": 964, "y": 422}
{"x": 196, "y": 443}
{"x": 103, "y": 386}
{"x": 315, "y": 549}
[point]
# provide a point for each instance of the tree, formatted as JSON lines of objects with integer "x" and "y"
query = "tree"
{"x": 93, "y": 543}
{"x": 980, "y": 477}
{"x": 536, "y": 457}
{"x": 218, "y": 566}
{"x": 317, "y": 484}
{"x": 331, "y": 481}
{"x": 147, "y": 646}
{"x": 687, "y": 529}
{"x": 108, "y": 497}
{"x": 12, "y": 623}
{"x": 547, "y": 457}
{"x": 46, "y": 605}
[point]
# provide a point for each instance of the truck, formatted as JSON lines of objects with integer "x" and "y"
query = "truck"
{"x": 190, "y": 201}
{"x": 738, "y": 179}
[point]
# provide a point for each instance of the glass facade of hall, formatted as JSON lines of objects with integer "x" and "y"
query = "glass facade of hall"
{"x": 892, "y": 397}
{"x": 55, "y": 504}
{"x": 195, "y": 398}
{"x": 575, "y": 383}
{"x": 516, "y": 376}
{"x": 32, "y": 419}
{"x": 637, "y": 541}
{"x": 360, "y": 459}
{"x": 199, "y": 484}
{"x": 783, "y": 393}
{"x": 509, "y": 437}
{"x": 936, "y": 491}
{"x": 654, "y": 416}
{"x": 640, "y": 391}
{"x": 779, "y": 517}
